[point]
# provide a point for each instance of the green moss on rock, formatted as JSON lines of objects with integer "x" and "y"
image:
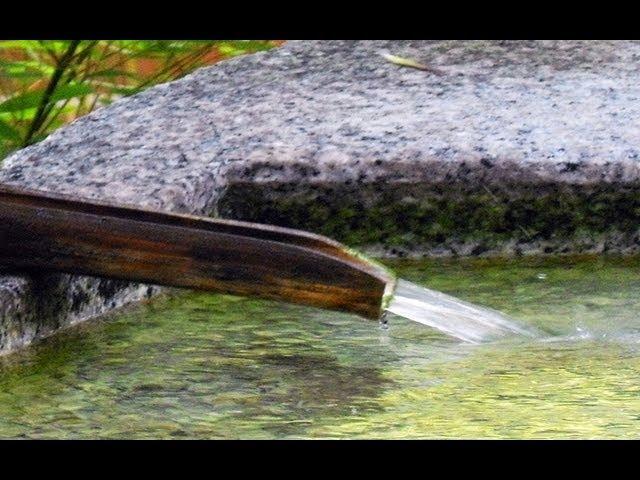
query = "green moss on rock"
{"x": 422, "y": 218}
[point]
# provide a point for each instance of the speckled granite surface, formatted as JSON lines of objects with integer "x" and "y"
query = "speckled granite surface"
{"x": 518, "y": 147}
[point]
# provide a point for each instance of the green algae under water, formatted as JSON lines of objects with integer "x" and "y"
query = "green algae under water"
{"x": 211, "y": 366}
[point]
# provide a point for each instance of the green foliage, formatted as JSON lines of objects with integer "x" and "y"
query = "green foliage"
{"x": 28, "y": 100}
{"x": 44, "y": 84}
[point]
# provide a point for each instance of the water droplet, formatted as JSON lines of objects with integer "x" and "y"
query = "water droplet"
{"x": 384, "y": 321}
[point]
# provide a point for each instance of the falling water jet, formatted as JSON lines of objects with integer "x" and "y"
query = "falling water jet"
{"x": 455, "y": 317}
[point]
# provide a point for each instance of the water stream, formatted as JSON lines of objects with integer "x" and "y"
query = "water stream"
{"x": 457, "y": 318}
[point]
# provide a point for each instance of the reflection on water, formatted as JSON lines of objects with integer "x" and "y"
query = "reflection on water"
{"x": 207, "y": 366}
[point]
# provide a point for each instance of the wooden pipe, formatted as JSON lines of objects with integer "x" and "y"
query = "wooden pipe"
{"x": 50, "y": 232}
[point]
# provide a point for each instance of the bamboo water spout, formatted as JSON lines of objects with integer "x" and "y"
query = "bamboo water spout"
{"x": 44, "y": 231}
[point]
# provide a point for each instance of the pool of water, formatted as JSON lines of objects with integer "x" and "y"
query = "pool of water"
{"x": 210, "y": 366}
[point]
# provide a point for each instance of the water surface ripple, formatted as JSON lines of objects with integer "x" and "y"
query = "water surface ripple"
{"x": 213, "y": 366}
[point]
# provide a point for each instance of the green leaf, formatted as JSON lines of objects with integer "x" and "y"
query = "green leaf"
{"x": 111, "y": 73}
{"x": 409, "y": 62}
{"x": 22, "y": 101}
{"x": 403, "y": 62}
{"x": 18, "y": 44}
{"x": 32, "y": 99}
{"x": 24, "y": 68}
{"x": 248, "y": 45}
{"x": 8, "y": 132}
{"x": 126, "y": 91}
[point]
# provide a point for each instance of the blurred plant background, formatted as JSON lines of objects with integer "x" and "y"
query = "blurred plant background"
{"x": 46, "y": 83}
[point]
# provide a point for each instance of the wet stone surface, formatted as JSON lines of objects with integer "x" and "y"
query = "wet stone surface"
{"x": 518, "y": 147}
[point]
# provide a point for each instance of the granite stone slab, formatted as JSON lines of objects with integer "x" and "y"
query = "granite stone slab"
{"x": 516, "y": 147}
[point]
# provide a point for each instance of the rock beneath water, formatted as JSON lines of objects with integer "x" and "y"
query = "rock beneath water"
{"x": 514, "y": 147}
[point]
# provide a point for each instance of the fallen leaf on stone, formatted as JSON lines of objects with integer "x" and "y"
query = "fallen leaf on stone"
{"x": 408, "y": 62}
